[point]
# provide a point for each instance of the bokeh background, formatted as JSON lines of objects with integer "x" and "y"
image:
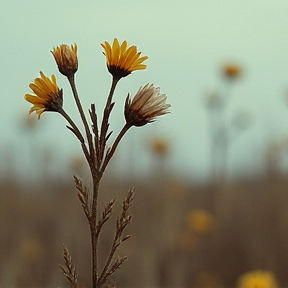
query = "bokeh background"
{"x": 211, "y": 177}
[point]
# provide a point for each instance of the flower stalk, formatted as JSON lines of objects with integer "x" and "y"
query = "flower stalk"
{"x": 112, "y": 150}
{"x": 105, "y": 121}
{"x": 147, "y": 105}
{"x": 76, "y": 132}
{"x": 71, "y": 80}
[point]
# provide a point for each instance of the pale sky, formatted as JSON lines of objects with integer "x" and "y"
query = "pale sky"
{"x": 187, "y": 43}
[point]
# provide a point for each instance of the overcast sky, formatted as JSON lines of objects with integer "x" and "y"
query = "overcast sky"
{"x": 187, "y": 43}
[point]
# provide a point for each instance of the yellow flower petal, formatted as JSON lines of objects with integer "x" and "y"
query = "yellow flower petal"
{"x": 47, "y": 96}
{"x": 121, "y": 59}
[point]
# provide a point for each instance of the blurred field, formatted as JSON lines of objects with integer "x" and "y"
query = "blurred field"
{"x": 183, "y": 235}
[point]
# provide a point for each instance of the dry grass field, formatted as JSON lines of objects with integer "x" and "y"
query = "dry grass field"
{"x": 182, "y": 235}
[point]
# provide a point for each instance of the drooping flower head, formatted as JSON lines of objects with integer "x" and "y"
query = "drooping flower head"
{"x": 66, "y": 59}
{"x": 121, "y": 61}
{"x": 146, "y": 105}
{"x": 47, "y": 96}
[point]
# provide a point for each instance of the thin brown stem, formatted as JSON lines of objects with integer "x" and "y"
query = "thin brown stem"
{"x": 96, "y": 177}
{"x": 95, "y": 131}
{"x": 76, "y": 131}
{"x": 112, "y": 150}
{"x": 71, "y": 80}
{"x": 105, "y": 120}
{"x": 93, "y": 231}
{"x": 122, "y": 222}
{"x": 97, "y": 167}
{"x": 109, "y": 259}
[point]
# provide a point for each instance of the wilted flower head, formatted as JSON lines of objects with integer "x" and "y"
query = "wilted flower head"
{"x": 122, "y": 61}
{"x": 66, "y": 59}
{"x": 146, "y": 105}
{"x": 231, "y": 71}
{"x": 47, "y": 97}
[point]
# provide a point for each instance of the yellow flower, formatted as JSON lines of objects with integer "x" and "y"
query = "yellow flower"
{"x": 231, "y": 71}
{"x": 146, "y": 105}
{"x": 258, "y": 279}
{"x": 200, "y": 221}
{"x": 122, "y": 61}
{"x": 32, "y": 249}
{"x": 66, "y": 59}
{"x": 47, "y": 97}
{"x": 160, "y": 146}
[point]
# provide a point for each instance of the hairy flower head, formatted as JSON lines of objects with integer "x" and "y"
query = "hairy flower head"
{"x": 47, "y": 96}
{"x": 66, "y": 59}
{"x": 146, "y": 105}
{"x": 121, "y": 60}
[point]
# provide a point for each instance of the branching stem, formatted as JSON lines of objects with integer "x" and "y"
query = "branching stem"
{"x": 76, "y": 131}
{"x": 71, "y": 80}
{"x": 112, "y": 150}
{"x": 97, "y": 163}
{"x": 105, "y": 120}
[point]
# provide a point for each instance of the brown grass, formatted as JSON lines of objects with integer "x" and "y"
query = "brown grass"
{"x": 251, "y": 232}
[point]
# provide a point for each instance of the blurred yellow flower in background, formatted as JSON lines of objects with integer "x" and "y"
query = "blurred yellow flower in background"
{"x": 160, "y": 146}
{"x": 258, "y": 279}
{"x": 47, "y": 97}
{"x": 28, "y": 122}
{"x": 232, "y": 71}
{"x": 200, "y": 221}
{"x": 32, "y": 249}
{"x": 122, "y": 61}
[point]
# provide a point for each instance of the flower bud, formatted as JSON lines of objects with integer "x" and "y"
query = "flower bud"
{"x": 66, "y": 59}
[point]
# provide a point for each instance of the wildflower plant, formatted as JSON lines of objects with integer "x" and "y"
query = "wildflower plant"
{"x": 144, "y": 108}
